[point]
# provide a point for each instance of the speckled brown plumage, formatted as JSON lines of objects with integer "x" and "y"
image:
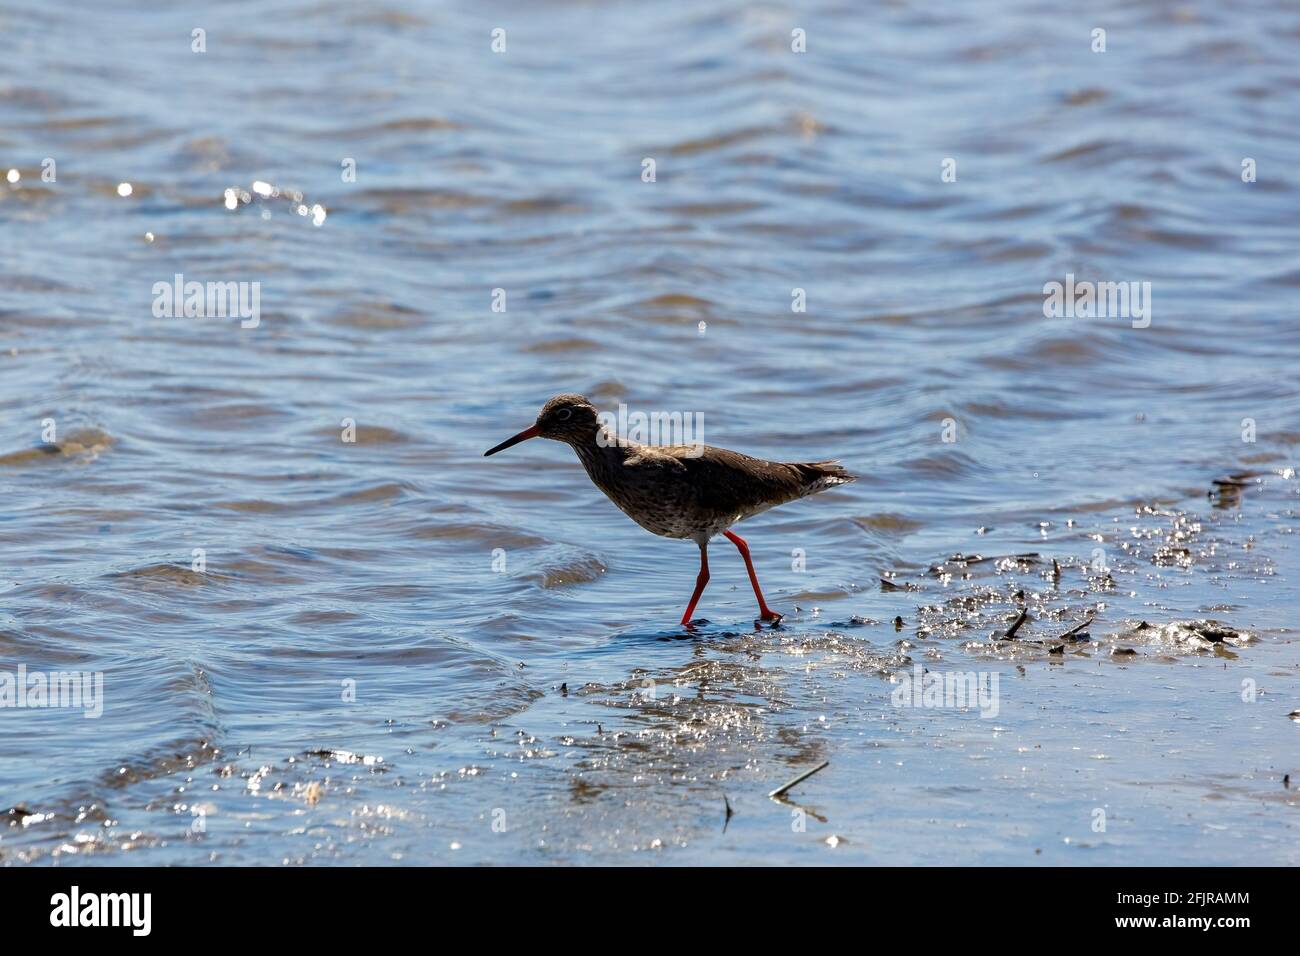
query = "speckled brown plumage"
{"x": 672, "y": 492}
{"x": 693, "y": 492}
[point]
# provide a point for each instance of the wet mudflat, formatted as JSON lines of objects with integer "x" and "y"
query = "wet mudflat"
{"x": 394, "y": 650}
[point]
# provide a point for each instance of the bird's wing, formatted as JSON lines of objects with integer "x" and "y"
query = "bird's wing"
{"x": 731, "y": 482}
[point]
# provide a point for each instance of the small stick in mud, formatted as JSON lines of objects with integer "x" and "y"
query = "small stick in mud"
{"x": 1011, "y": 631}
{"x": 781, "y": 791}
{"x": 1079, "y": 627}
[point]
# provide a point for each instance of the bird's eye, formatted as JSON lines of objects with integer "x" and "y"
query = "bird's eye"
{"x": 564, "y": 414}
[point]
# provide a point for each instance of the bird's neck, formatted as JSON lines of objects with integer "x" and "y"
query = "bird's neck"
{"x": 599, "y": 452}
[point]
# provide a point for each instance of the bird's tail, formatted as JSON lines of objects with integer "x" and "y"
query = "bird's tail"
{"x": 820, "y": 475}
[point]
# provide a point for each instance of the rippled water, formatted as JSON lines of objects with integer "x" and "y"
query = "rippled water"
{"x": 350, "y": 678}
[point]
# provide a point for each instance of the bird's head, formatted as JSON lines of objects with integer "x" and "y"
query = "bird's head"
{"x": 566, "y": 418}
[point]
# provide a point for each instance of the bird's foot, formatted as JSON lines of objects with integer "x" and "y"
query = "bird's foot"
{"x": 767, "y": 614}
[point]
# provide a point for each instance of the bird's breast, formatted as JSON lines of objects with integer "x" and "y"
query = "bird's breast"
{"x": 654, "y": 494}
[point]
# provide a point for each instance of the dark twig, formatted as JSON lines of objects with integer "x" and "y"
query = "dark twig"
{"x": 1011, "y": 631}
{"x": 780, "y": 791}
{"x": 1079, "y": 627}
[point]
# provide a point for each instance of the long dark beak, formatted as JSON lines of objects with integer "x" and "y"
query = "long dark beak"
{"x": 524, "y": 435}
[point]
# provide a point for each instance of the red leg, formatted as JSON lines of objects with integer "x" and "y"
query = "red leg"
{"x": 700, "y": 581}
{"x": 765, "y": 612}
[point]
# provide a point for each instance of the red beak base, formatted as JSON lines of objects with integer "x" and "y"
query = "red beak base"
{"x": 524, "y": 435}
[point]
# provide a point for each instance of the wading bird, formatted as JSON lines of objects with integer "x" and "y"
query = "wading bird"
{"x": 680, "y": 491}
